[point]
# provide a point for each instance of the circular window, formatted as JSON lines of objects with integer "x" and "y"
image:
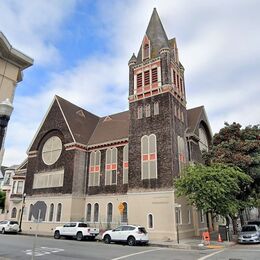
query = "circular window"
{"x": 203, "y": 142}
{"x": 51, "y": 150}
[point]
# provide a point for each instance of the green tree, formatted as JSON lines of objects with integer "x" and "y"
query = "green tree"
{"x": 213, "y": 188}
{"x": 239, "y": 147}
{"x": 2, "y": 199}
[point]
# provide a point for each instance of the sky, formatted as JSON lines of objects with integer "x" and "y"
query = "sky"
{"x": 81, "y": 49}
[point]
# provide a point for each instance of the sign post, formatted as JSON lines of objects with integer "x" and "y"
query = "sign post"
{"x": 121, "y": 208}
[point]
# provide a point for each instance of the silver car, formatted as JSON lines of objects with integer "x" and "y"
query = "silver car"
{"x": 249, "y": 234}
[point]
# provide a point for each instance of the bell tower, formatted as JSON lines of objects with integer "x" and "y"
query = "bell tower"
{"x": 157, "y": 104}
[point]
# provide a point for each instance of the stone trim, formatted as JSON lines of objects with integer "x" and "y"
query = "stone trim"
{"x": 114, "y": 143}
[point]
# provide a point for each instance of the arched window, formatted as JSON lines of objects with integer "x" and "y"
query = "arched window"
{"x": 51, "y": 212}
{"x": 181, "y": 153}
{"x": 109, "y": 212}
{"x": 147, "y": 110}
{"x": 203, "y": 142}
{"x": 146, "y": 51}
{"x": 125, "y": 164}
{"x": 124, "y": 218}
{"x": 59, "y": 208}
{"x": 150, "y": 221}
{"x": 89, "y": 212}
{"x": 13, "y": 214}
{"x": 96, "y": 212}
{"x": 30, "y": 212}
{"x": 111, "y": 166}
{"x": 156, "y": 108}
{"x": 149, "y": 157}
{"x": 94, "y": 169}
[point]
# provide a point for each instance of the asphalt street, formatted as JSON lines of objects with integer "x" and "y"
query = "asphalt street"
{"x": 20, "y": 247}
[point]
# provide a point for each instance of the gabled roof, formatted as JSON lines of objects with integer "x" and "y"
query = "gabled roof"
{"x": 195, "y": 116}
{"x": 111, "y": 128}
{"x": 81, "y": 122}
{"x": 157, "y": 36}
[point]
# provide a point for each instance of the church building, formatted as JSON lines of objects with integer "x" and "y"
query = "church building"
{"x": 121, "y": 168}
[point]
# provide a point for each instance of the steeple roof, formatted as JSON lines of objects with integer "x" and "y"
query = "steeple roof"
{"x": 157, "y": 36}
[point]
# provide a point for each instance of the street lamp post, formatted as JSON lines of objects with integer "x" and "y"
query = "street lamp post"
{"x": 177, "y": 208}
{"x": 21, "y": 217}
{"x": 6, "y": 109}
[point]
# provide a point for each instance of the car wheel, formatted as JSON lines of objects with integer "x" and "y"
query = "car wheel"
{"x": 57, "y": 235}
{"x": 131, "y": 241}
{"x": 79, "y": 236}
{"x": 3, "y": 231}
{"x": 107, "y": 239}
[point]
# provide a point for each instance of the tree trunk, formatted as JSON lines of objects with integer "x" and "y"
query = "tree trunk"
{"x": 241, "y": 216}
{"x": 234, "y": 223}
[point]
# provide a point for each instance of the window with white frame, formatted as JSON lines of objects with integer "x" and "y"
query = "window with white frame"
{"x": 146, "y": 51}
{"x": 149, "y": 157}
{"x": 150, "y": 221}
{"x": 156, "y": 108}
{"x": 51, "y": 150}
{"x": 88, "y": 218}
{"x": 147, "y": 110}
{"x": 139, "y": 112}
{"x": 48, "y": 179}
{"x": 19, "y": 187}
{"x": 14, "y": 187}
{"x": 94, "y": 169}
{"x": 111, "y": 166}
{"x": 125, "y": 164}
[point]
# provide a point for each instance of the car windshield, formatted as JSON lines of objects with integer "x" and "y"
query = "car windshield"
{"x": 142, "y": 230}
{"x": 248, "y": 228}
{"x": 13, "y": 222}
{"x": 84, "y": 225}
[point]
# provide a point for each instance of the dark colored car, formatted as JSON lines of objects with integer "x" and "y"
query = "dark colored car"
{"x": 254, "y": 222}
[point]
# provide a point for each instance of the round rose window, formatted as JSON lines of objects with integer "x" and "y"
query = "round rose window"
{"x": 51, "y": 150}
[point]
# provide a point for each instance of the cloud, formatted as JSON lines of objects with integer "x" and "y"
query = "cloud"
{"x": 218, "y": 45}
{"x": 34, "y": 26}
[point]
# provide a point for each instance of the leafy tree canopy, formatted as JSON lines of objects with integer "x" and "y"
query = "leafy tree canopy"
{"x": 213, "y": 188}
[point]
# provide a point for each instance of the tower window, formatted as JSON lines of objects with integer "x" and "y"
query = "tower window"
{"x": 174, "y": 77}
{"x": 139, "y": 80}
{"x": 156, "y": 108}
{"x": 125, "y": 164}
{"x": 146, "y": 51}
{"x": 147, "y": 77}
{"x": 140, "y": 112}
{"x": 147, "y": 110}
{"x": 154, "y": 75}
{"x": 149, "y": 157}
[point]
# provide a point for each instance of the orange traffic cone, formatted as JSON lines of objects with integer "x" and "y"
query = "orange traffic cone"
{"x": 219, "y": 238}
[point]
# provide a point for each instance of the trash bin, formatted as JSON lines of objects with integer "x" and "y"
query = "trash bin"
{"x": 224, "y": 232}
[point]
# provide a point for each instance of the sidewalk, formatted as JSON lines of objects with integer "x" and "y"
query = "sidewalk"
{"x": 191, "y": 243}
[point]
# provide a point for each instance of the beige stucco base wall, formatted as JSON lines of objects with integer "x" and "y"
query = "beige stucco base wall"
{"x": 72, "y": 210}
{"x": 161, "y": 205}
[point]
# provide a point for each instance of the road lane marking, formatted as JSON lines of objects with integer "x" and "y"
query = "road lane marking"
{"x": 139, "y": 253}
{"x": 207, "y": 256}
{"x": 40, "y": 251}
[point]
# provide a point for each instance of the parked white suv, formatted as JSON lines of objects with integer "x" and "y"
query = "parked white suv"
{"x": 9, "y": 226}
{"x": 126, "y": 233}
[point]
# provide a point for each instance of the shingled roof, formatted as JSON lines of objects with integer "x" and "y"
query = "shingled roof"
{"x": 157, "y": 36}
{"x": 81, "y": 122}
{"x": 193, "y": 115}
{"x": 111, "y": 128}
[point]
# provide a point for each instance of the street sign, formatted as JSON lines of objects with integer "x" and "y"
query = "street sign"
{"x": 121, "y": 208}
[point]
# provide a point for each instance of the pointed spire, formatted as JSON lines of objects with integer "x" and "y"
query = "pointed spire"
{"x": 155, "y": 31}
{"x": 132, "y": 60}
{"x": 156, "y": 35}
